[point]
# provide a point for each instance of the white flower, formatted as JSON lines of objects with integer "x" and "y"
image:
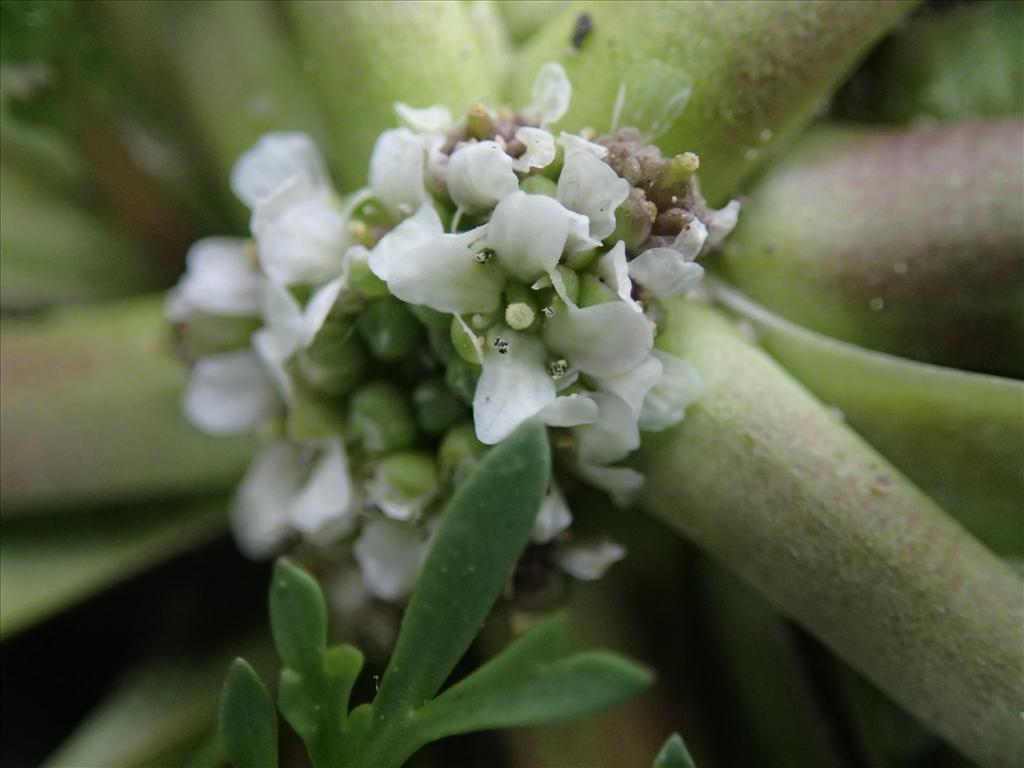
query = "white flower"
{"x": 280, "y": 165}
{"x": 572, "y": 142}
{"x": 553, "y": 517}
{"x": 480, "y": 174}
{"x": 633, "y": 385}
{"x": 302, "y": 240}
{"x": 602, "y": 340}
{"x": 665, "y": 272}
{"x": 540, "y": 149}
{"x": 415, "y": 230}
{"x": 528, "y": 234}
{"x": 623, "y": 484}
{"x": 513, "y": 386}
{"x": 282, "y": 491}
{"x": 229, "y": 394}
{"x": 569, "y": 411}
{"x": 613, "y": 270}
{"x": 722, "y": 222}
{"x": 589, "y": 561}
{"x": 589, "y": 186}
{"x": 612, "y": 436}
{"x": 390, "y": 555}
{"x": 445, "y": 273}
{"x": 436, "y": 119}
{"x": 397, "y": 170}
{"x": 691, "y": 239}
{"x": 552, "y": 91}
{"x": 220, "y": 280}
{"x": 289, "y": 327}
{"x": 327, "y": 501}
{"x": 678, "y": 387}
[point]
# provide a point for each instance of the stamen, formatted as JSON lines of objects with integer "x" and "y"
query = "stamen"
{"x": 501, "y": 345}
{"x": 558, "y": 369}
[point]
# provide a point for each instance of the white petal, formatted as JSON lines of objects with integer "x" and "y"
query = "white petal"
{"x": 528, "y": 234}
{"x": 665, "y": 272}
{"x": 623, "y": 484}
{"x": 229, "y": 394}
{"x": 280, "y": 165}
{"x": 397, "y": 170}
{"x": 436, "y": 119}
{"x": 422, "y": 226}
{"x": 602, "y": 340}
{"x": 679, "y": 387}
{"x": 589, "y": 561}
{"x": 479, "y": 175}
{"x": 572, "y": 143}
{"x": 612, "y": 437}
{"x": 259, "y": 512}
{"x": 390, "y": 555}
{"x": 722, "y": 222}
{"x": 579, "y": 234}
{"x": 327, "y": 499}
{"x": 633, "y": 385}
{"x": 589, "y": 186}
{"x": 612, "y": 269}
{"x": 551, "y": 94}
{"x": 552, "y": 518}
{"x": 691, "y": 239}
{"x": 540, "y": 149}
{"x": 444, "y": 274}
{"x": 513, "y": 387}
{"x": 569, "y": 411}
{"x": 220, "y": 280}
{"x": 273, "y": 351}
{"x": 319, "y": 306}
{"x": 305, "y": 242}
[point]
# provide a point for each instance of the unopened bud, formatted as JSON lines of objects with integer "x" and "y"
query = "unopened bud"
{"x": 380, "y": 419}
{"x": 459, "y": 452}
{"x": 335, "y": 361}
{"x": 539, "y": 185}
{"x": 436, "y": 407}
{"x": 634, "y": 219}
{"x": 479, "y": 122}
{"x": 389, "y": 329}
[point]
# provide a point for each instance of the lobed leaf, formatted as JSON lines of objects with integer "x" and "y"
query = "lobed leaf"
{"x": 248, "y": 720}
{"x": 298, "y": 618}
{"x": 674, "y": 754}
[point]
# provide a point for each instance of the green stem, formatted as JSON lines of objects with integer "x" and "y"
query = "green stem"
{"x": 764, "y": 478}
{"x": 758, "y": 71}
{"x": 91, "y": 414}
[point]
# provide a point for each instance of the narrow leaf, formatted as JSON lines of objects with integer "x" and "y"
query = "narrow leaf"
{"x": 674, "y": 754}
{"x": 248, "y": 721}
{"x": 298, "y": 618}
{"x": 48, "y": 563}
{"x": 482, "y": 533}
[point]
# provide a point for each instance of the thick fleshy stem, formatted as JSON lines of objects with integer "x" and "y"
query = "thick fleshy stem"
{"x": 764, "y": 478}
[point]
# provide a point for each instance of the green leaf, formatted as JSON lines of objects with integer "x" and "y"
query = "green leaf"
{"x": 370, "y": 55}
{"x": 482, "y": 533}
{"x": 248, "y": 720}
{"x": 298, "y": 618}
{"x": 48, "y": 563}
{"x": 742, "y": 76}
{"x": 674, "y": 754}
{"x": 76, "y": 431}
{"x": 522, "y": 686}
{"x": 767, "y": 480}
{"x": 956, "y": 434}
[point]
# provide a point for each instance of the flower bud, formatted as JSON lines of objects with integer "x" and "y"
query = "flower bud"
{"x": 459, "y": 452}
{"x": 389, "y": 329}
{"x": 436, "y": 407}
{"x": 380, "y": 419}
{"x": 335, "y": 361}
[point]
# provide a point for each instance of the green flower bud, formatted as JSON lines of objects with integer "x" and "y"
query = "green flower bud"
{"x": 634, "y": 219}
{"x": 335, "y": 361}
{"x": 461, "y": 378}
{"x": 582, "y": 259}
{"x": 479, "y": 122}
{"x": 409, "y": 475}
{"x": 313, "y": 418}
{"x": 539, "y": 185}
{"x": 593, "y": 291}
{"x": 389, "y": 329}
{"x": 459, "y": 452}
{"x": 364, "y": 282}
{"x": 438, "y": 325}
{"x": 380, "y": 419}
{"x": 571, "y": 281}
{"x": 436, "y": 407}
{"x": 466, "y": 343}
{"x": 481, "y": 322}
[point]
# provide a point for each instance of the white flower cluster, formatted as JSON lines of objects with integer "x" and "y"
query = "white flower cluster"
{"x": 507, "y": 239}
